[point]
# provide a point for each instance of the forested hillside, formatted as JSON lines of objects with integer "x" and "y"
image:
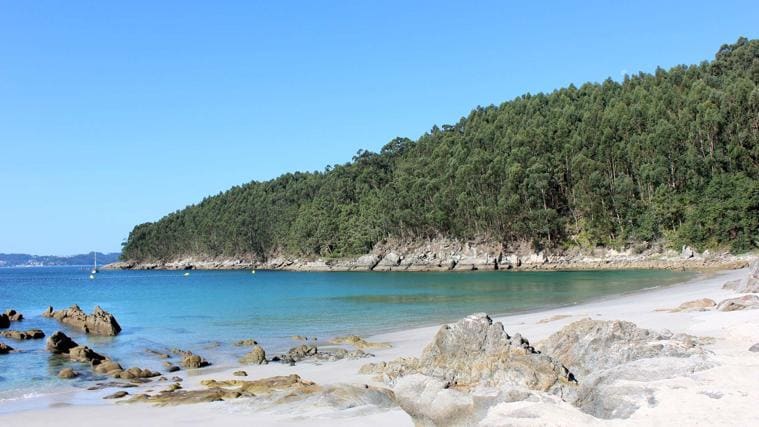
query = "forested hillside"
{"x": 671, "y": 155}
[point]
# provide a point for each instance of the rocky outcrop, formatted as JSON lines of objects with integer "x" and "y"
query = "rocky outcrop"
{"x": 359, "y": 342}
{"x": 5, "y": 349}
{"x": 747, "y": 285}
{"x": 256, "y": 356}
{"x": 469, "y": 366}
{"x": 60, "y": 343}
{"x": 100, "y": 322}
{"x": 13, "y": 315}
{"x": 441, "y": 254}
{"x": 746, "y": 302}
{"x": 614, "y": 359}
{"x": 31, "y": 334}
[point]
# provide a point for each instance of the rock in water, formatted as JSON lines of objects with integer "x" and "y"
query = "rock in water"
{"x": 23, "y": 335}
{"x": 257, "y": 356}
{"x": 741, "y": 303}
{"x": 60, "y": 343}
{"x": 13, "y": 315}
{"x": 67, "y": 374}
{"x": 118, "y": 395}
{"x": 613, "y": 360}
{"x": 5, "y": 321}
{"x": 100, "y": 322}
{"x": 85, "y": 354}
{"x": 194, "y": 361}
{"x": 5, "y": 349}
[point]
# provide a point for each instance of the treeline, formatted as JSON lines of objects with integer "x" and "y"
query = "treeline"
{"x": 671, "y": 155}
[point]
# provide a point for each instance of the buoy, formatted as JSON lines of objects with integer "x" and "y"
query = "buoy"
{"x": 92, "y": 276}
{"x": 252, "y": 271}
{"x": 186, "y": 274}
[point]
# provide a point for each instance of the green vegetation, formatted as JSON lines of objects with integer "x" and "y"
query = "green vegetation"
{"x": 672, "y": 155}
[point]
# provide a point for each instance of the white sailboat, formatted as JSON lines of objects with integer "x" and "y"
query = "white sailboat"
{"x": 95, "y": 265}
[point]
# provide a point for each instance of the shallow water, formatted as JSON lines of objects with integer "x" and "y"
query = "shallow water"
{"x": 207, "y": 311}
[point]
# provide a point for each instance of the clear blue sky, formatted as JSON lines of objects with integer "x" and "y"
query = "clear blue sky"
{"x": 116, "y": 113}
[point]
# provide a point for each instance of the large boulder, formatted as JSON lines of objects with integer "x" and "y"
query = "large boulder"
{"x": 613, "y": 360}
{"x": 744, "y": 302}
{"x": 469, "y": 366}
{"x": 60, "y": 343}
{"x": 100, "y": 322}
{"x": 256, "y": 356}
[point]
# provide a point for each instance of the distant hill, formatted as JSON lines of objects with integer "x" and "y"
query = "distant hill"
{"x": 672, "y": 155}
{"x": 26, "y": 260}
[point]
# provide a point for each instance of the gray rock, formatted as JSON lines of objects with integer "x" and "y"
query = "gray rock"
{"x": 687, "y": 252}
{"x": 745, "y": 302}
{"x": 468, "y": 367}
{"x": 240, "y": 373}
{"x": 748, "y": 285}
{"x": 613, "y": 360}
{"x": 754, "y": 348}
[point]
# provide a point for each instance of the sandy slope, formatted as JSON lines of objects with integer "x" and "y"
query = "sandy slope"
{"x": 727, "y": 394}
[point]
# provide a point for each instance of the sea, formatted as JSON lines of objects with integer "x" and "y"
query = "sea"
{"x": 207, "y": 311}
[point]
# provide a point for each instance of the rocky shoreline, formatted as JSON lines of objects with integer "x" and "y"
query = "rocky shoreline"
{"x": 452, "y": 255}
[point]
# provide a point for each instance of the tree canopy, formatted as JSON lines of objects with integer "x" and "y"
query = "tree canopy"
{"x": 671, "y": 155}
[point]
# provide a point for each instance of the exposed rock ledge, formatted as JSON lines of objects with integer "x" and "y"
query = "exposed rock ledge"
{"x": 452, "y": 255}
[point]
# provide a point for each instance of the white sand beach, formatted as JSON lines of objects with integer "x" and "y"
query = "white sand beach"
{"x": 725, "y": 394}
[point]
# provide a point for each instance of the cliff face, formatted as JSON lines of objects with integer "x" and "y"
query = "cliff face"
{"x": 454, "y": 255}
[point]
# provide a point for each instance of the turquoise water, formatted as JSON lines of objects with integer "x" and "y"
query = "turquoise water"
{"x": 208, "y": 310}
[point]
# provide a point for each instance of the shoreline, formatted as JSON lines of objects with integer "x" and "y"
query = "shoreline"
{"x": 637, "y": 306}
{"x": 533, "y": 262}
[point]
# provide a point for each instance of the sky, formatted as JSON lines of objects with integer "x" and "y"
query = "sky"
{"x": 117, "y": 113}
